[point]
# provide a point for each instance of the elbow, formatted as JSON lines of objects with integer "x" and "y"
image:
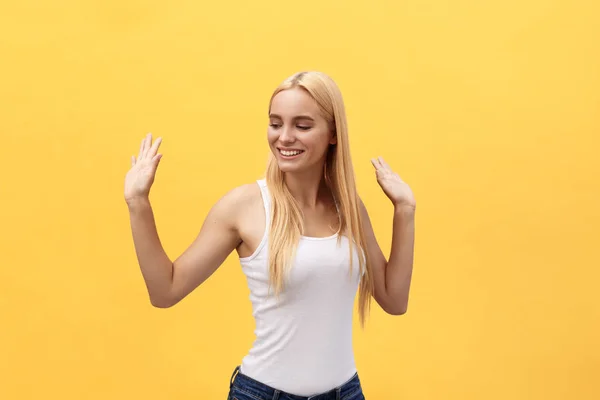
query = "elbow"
{"x": 161, "y": 305}
{"x": 398, "y": 310}
{"x": 392, "y": 306}
{"x": 161, "y": 302}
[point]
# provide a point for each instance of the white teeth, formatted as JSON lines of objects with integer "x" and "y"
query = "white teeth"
{"x": 290, "y": 153}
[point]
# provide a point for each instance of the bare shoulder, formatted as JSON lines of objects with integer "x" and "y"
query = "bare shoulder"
{"x": 242, "y": 196}
{"x": 249, "y": 217}
{"x": 238, "y": 202}
{"x": 362, "y": 208}
{"x": 246, "y": 192}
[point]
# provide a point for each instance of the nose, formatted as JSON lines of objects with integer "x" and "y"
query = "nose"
{"x": 287, "y": 135}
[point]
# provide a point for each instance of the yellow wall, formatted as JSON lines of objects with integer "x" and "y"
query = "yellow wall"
{"x": 488, "y": 109}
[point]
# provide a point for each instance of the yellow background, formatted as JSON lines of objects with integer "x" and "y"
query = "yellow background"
{"x": 488, "y": 109}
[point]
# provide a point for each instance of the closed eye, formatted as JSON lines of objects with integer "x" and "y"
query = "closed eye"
{"x": 302, "y": 128}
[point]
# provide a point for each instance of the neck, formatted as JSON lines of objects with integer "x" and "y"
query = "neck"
{"x": 308, "y": 188}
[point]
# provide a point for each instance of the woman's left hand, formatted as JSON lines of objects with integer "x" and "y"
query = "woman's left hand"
{"x": 393, "y": 186}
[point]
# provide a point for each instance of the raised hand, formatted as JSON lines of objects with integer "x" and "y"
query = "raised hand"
{"x": 392, "y": 185}
{"x": 140, "y": 177}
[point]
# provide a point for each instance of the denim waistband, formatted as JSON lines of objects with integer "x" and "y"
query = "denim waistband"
{"x": 258, "y": 389}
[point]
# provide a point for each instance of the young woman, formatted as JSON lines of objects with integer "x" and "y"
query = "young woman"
{"x": 305, "y": 243}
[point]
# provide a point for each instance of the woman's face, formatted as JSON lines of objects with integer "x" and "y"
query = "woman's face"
{"x": 298, "y": 134}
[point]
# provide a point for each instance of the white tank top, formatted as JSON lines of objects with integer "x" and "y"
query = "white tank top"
{"x": 303, "y": 342}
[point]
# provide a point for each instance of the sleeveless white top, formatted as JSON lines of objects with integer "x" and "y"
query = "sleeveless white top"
{"x": 303, "y": 342}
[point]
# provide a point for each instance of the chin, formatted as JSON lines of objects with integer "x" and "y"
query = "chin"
{"x": 286, "y": 167}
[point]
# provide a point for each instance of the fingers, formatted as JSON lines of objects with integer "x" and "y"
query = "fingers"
{"x": 380, "y": 164}
{"x": 376, "y": 163}
{"x": 384, "y": 164}
{"x": 147, "y": 143}
{"x": 156, "y": 161}
{"x": 154, "y": 148}
{"x": 147, "y": 148}
{"x": 133, "y": 161}
{"x": 141, "y": 152}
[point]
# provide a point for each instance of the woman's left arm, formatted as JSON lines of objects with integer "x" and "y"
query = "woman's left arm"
{"x": 392, "y": 278}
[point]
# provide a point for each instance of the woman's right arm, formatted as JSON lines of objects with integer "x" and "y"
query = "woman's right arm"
{"x": 169, "y": 282}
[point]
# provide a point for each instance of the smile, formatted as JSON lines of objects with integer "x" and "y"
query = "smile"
{"x": 290, "y": 153}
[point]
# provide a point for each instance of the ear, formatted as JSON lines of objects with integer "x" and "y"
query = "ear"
{"x": 333, "y": 139}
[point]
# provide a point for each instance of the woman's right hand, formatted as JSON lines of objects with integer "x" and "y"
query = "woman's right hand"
{"x": 140, "y": 177}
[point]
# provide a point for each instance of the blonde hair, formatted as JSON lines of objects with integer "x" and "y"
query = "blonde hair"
{"x": 286, "y": 216}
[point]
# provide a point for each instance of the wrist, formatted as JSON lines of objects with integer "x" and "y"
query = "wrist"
{"x": 404, "y": 209}
{"x": 135, "y": 203}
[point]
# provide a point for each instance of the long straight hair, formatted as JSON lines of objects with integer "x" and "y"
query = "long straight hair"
{"x": 286, "y": 226}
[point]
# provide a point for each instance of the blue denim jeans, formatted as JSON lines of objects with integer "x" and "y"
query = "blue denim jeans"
{"x": 243, "y": 387}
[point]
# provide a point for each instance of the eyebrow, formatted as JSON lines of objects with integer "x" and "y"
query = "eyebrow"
{"x": 297, "y": 117}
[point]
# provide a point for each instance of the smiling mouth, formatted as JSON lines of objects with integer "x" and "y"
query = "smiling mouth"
{"x": 290, "y": 153}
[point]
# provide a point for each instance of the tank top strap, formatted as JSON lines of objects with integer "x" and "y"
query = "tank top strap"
{"x": 266, "y": 197}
